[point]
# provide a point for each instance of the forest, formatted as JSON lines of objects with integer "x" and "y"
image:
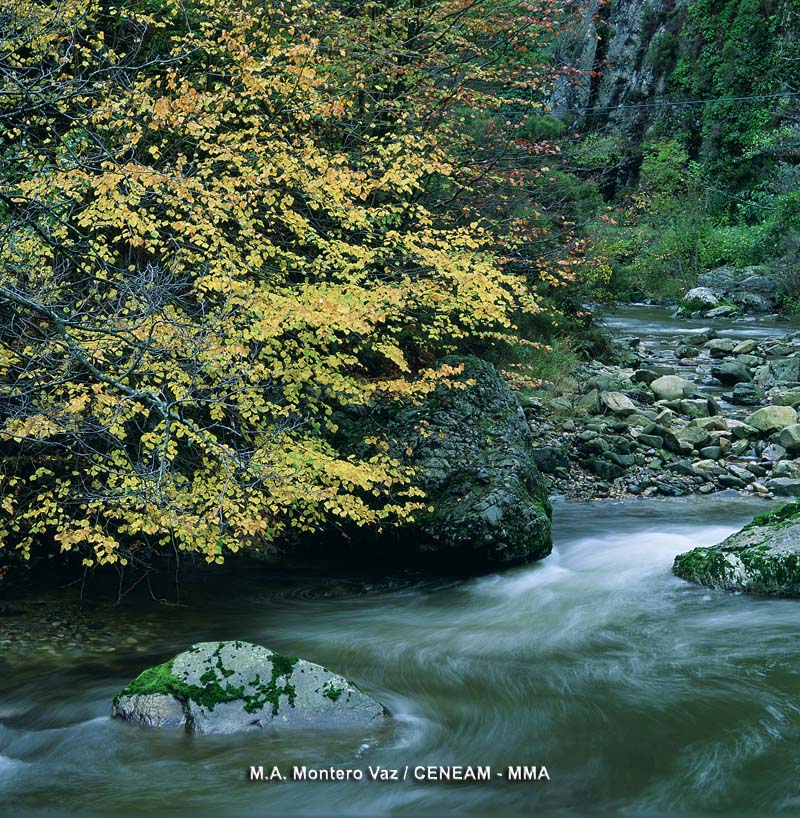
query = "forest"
{"x": 225, "y": 225}
{"x": 452, "y": 346}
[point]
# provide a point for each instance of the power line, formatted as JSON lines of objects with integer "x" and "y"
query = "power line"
{"x": 670, "y": 103}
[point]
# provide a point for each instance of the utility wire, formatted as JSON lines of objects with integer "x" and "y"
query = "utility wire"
{"x": 666, "y": 103}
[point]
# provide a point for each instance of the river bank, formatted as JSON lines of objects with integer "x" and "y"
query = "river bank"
{"x": 622, "y": 429}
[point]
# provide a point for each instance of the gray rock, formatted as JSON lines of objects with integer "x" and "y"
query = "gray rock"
{"x": 231, "y": 687}
{"x": 561, "y": 406}
{"x": 672, "y": 443}
{"x": 711, "y": 452}
{"x": 781, "y": 349}
{"x": 749, "y": 361}
{"x": 604, "y": 469}
{"x": 739, "y": 447}
{"x": 672, "y": 387}
{"x": 549, "y": 459}
{"x": 745, "y": 347}
{"x": 730, "y": 482}
{"x": 700, "y": 298}
{"x": 665, "y": 417}
{"x": 624, "y": 460}
{"x": 617, "y": 403}
{"x": 744, "y": 394}
{"x": 723, "y": 311}
{"x": 773, "y": 453}
{"x": 753, "y": 302}
{"x": 788, "y": 398}
{"x": 588, "y": 404}
{"x": 150, "y": 709}
{"x": 652, "y": 441}
{"x": 645, "y": 376}
{"x": 729, "y": 373}
{"x": 784, "y": 487}
{"x": 751, "y": 288}
{"x": 452, "y": 435}
{"x": 684, "y": 351}
{"x": 717, "y": 423}
{"x": 740, "y": 473}
{"x": 594, "y": 445}
{"x": 741, "y": 430}
{"x": 770, "y": 419}
{"x": 720, "y": 347}
{"x": 695, "y": 435}
{"x": 787, "y": 468}
{"x": 682, "y": 467}
{"x": 782, "y": 370}
{"x": 789, "y": 437}
{"x": 762, "y": 558}
{"x": 697, "y": 408}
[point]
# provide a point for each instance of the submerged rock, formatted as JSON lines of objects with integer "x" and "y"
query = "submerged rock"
{"x": 229, "y": 687}
{"x": 762, "y": 558}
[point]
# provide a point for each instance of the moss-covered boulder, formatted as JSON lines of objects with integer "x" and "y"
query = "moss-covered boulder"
{"x": 473, "y": 447}
{"x": 762, "y": 558}
{"x": 229, "y": 687}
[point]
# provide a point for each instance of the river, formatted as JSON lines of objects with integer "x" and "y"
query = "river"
{"x": 638, "y": 692}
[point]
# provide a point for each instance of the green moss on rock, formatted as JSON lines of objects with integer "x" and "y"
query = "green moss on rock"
{"x": 762, "y": 558}
{"x": 161, "y": 680}
{"x": 779, "y": 516}
{"x": 255, "y": 685}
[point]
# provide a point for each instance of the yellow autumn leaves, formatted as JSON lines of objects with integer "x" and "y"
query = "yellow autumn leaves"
{"x": 210, "y": 260}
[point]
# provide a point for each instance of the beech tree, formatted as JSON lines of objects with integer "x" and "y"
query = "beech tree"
{"x": 216, "y": 231}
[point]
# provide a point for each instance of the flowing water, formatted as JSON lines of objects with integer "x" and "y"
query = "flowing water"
{"x": 653, "y": 323}
{"x": 637, "y": 691}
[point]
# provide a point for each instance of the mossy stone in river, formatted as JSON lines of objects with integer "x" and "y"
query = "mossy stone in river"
{"x": 473, "y": 448}
{"x": 228, "y": 687}
{"x": 762, "y": 558}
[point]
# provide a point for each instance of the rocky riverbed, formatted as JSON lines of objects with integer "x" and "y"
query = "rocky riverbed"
{"x": 695, "y": 413}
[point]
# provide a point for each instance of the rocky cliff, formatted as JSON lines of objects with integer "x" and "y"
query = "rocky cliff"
{"x": 633, "y": 64}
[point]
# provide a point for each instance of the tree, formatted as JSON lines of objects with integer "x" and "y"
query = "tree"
{"x": 210, "y": 243}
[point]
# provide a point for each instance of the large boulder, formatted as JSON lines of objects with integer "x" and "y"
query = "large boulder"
{"x": 770, "y": 419}
{"x": 474, "y": 451}
{"x": 700, "y": 298}
{"x": 230, "y": 687}
{"x": 672, "y": 387}
{"x": 754, "y": 289}
{"x": 762, "y": 558}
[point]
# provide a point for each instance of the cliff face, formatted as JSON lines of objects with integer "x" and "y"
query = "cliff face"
{"x": 622, "y": 54}
{"x": 631, "y": 64}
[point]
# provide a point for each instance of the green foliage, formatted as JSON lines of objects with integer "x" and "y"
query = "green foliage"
{"x": 655, "y": 242}
{"x": 529, "y": 368}
{"x": 223, "y": 222}
{"x": 710, "y": 183}
{"x": 733, "y": 48}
